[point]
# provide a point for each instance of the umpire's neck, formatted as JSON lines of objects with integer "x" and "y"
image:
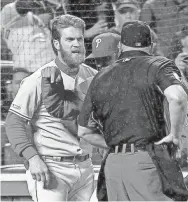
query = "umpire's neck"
{"x": 148, "y": 49}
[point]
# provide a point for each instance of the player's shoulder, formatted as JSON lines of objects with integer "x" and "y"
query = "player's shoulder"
{"x": 49, "y": 64}
{"x": 88, "y": 70}
{"x": 36, "y": 76}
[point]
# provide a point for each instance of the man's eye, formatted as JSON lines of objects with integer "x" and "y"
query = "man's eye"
{"x": 70, "y": 39}
{"x": 126, "y": 10}
{"x": 80, "y": 39}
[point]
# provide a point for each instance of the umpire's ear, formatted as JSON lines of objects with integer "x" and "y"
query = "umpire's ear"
{"x": 56, "y": 44}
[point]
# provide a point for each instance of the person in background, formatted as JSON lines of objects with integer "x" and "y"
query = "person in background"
{"x": 11, "y": 88}
{"x": 165, "y": 17}
{"x": 105, "y": 49}
{"x": 59, "y": 167}
{"x": 5, "y": 52}
{"x": 182, "y": 59}
{"x": 18, "y": 75}
{"x": 25, "y": 28}
{"x": 96, "y": 14}
{"x": 127, "y": 11}
{"x": 124, "y": 11}
{"x": 182, "y": 63}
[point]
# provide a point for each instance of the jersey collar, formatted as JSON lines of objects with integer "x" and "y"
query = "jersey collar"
{"x": 133, "y": 53}
{"x": 72, "y": 72}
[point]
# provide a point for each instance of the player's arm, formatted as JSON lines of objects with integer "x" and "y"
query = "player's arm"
{"x": 22, "y": 110}
{"x": 88, "y": 129}
{"x": 21, "y": 144}
{"x": 170, "y": 83}
{"x": 18, "y": 137}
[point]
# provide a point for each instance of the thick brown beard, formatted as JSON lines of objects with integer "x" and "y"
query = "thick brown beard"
{"x": 69, "y": 60}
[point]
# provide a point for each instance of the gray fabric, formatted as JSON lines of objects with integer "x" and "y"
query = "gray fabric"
{"x": 133, "y": 177}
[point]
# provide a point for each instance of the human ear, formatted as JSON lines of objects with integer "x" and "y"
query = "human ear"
{"x": 56, "y": 44}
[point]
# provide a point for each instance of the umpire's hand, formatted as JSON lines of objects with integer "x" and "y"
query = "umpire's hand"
{"x": 169, "y": 139}
{"x": 53, "y": 74}
{"x": 39, "y": 170}
{"x": 175, "y": 151}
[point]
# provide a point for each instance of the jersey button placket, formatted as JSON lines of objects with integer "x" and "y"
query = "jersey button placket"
{"x": 74, "y": 161}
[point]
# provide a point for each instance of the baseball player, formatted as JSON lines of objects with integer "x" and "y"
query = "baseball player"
{"x": 24, "y": 27}
{"x": 105, "y": 49}
{"x": 59, "y": 165}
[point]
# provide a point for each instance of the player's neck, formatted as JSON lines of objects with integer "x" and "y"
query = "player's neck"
{"x": 71, "y": 71}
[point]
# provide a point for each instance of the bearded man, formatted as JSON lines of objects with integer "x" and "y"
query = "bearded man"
{"x": 60, "y": 167}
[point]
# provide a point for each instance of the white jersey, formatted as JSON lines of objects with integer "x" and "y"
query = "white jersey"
{"x": 30, "y": 43}
{"x": 53, "y": 136}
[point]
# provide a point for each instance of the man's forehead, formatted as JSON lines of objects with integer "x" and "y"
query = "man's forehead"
{"x": 71, "y": 32}
{"x": 127, "y": 7}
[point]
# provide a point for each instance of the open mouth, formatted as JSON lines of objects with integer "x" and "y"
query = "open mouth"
{"x": 76, "y": 51}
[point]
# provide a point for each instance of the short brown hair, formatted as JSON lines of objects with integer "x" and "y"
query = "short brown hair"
{"x": 65, "y": 21}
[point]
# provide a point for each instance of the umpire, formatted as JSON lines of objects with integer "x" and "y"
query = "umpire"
{"x": 127, "y": 100}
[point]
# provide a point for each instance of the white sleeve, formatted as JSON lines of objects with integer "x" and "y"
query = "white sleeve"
{"x": 28, "y": 98}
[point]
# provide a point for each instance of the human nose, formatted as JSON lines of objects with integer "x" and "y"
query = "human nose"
{"x": 128, "y": 15}
{"x": 76, "y": 43}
